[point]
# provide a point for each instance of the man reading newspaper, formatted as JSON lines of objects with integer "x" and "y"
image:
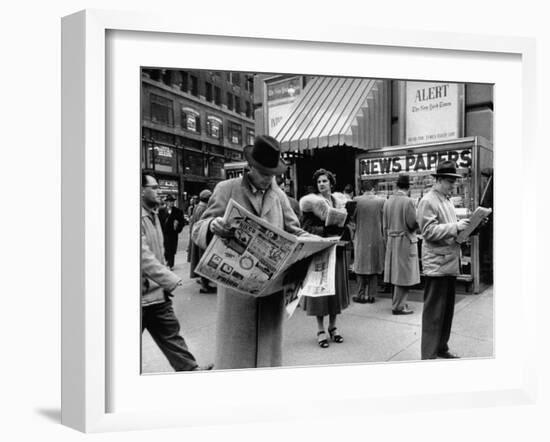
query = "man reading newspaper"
{"x": 249, "y": 328}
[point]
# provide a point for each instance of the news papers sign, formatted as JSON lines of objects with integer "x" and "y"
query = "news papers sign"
{"x": 434, "y": 111}
{"x": 412, "y": 162}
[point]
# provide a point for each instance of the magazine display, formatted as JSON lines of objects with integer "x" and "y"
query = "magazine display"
{"x": 477, "y": 217}
{"x": 260, "y": 258}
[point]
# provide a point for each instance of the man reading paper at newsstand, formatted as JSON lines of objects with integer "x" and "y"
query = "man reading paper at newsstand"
{"x": 249, "y": 329}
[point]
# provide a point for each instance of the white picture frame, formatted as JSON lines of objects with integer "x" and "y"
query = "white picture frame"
{"x": 87, "y": 217}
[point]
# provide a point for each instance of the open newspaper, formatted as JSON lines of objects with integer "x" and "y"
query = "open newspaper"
{"x": 477, "y": 217}
{"x": 260, "y": 258}
{"x": 318, "y": 281}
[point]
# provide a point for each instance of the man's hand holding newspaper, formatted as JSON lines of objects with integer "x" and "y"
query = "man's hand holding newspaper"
{"x": 251, "y": 256}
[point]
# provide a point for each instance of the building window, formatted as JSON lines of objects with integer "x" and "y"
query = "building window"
{"x": 217, "y": 95}
{"x": 208, "y": 91}
{"x": 235, "y": 133}
{"x": 161, "y": 110}
{"x": 248, "y": 109}
{"x": 184, "y": 85}
{"x": 236, "y": 79}
{"x": 214, "y": 127}
{"x": 167, "y": 77}
{"x": 155, "y": 74}
{"x": 249, "y": 136}
{"x": 238, "y": 105}
{"x": 190, "y": 120}
{"x": 215, "y": 167}
{"x": 194, "y": 86}
{"x": 193, "y": 163}
{"x": 229, "y": 101}
{"x": 249, "y": 84}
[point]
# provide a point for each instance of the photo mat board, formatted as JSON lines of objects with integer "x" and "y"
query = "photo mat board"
{"x": 102, "y": 386}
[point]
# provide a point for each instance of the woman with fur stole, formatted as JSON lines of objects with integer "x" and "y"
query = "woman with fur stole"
{"x": 314, "y": 207}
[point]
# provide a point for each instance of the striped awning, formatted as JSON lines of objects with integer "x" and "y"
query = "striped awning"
{"x": 336, "y": 111}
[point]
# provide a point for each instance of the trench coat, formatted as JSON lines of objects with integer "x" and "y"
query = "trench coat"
{"x": 439, "y": 228}
{"x": 401, "y": 265}
{"x": 369, "y": 246}
{"x": 249, "y": 329}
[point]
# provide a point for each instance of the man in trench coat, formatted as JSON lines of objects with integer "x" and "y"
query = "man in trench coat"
{"x": 401, "y": 264}
{"x": 368, "y": 242}
{"x": 249, "y": 329}
{"x": 440, "y": 261}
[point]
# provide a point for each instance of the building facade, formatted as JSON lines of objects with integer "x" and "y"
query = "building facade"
{"x": 329, "y": 121}
{"x": 192, "y": 123}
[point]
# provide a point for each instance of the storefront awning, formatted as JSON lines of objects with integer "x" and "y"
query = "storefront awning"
{"x": 335, "y": 112}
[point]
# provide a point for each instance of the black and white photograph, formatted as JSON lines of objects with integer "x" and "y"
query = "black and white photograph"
{"x": 292, "y": 220}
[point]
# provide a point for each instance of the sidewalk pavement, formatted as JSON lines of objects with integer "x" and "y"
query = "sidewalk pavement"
{"x": 371, "y": 333}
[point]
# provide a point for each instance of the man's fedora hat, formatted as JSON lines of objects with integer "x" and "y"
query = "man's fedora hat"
{"x": 446, "y": 169}
{"x": 169, "y": 198}
{"x": 403, "y": 181}
{"x": 265, "y": 155}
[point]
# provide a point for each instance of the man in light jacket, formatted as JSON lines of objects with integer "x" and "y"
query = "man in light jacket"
{"x": 440, "y": 261}
{"x": 157, "y": 284}
{"x": 249, "y": 329}
{"x": 401, "y": 264}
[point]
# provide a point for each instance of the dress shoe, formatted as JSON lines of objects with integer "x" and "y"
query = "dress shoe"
{"x": 359, "y": 299}
{"x": 208, "y": 290}
{"x": 403, "y": 311}
{"x": 204, "y": 367}
{"x": 447, "y": 355}
{"x": 370, "y": 300}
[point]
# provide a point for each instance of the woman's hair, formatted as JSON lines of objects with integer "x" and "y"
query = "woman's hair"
{"x": 328, "y": 174}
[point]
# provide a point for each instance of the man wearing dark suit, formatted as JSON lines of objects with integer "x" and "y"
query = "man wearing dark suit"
{"x": 172, "y": 222}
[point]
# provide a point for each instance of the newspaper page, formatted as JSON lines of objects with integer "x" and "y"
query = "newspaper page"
{"x": 477, "y": 217}
{"x": 336, "y": 217}
{"x": 257, "y": 259}
{"x": 319, "y": 279}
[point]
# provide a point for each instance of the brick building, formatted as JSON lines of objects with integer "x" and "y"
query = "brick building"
{"x": 192, "y": 122}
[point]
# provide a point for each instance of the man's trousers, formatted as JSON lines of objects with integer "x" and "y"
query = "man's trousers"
{"x": 437, "y": 315}
{"x": 161, "y": 322}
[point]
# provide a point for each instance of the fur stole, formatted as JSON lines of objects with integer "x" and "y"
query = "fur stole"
{"x": 315, "y": 203}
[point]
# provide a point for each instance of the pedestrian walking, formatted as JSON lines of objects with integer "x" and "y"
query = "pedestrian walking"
{"x": 195, "y": 251}
{"x": 249, "y": 329}
{"x": 440, "y": 261}
{"x": 172, "y": 222}
{"x": 369, "y": 247}
{"x": 157, "y": 285}
{"x": 401, "y": 264}
{"x": 314, "y": 207}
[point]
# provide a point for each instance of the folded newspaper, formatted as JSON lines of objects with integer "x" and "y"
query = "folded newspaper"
{"x": 477, "y": 217}
{"x": 260, "y": 258}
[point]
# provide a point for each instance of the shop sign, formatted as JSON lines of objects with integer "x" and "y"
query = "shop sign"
{"x": 280, "y": 97}
{"x": 434, "y": 111}
{"x": 168, "y": 186}
{"x": 164, "y": 158}
{"x": 412, "y": 162}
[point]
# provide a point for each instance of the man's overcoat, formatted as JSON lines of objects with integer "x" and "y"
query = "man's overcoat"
{"x": 249, "y": 329}
{"x": 368, "y": 240}
{"x": 399, "y": 221}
